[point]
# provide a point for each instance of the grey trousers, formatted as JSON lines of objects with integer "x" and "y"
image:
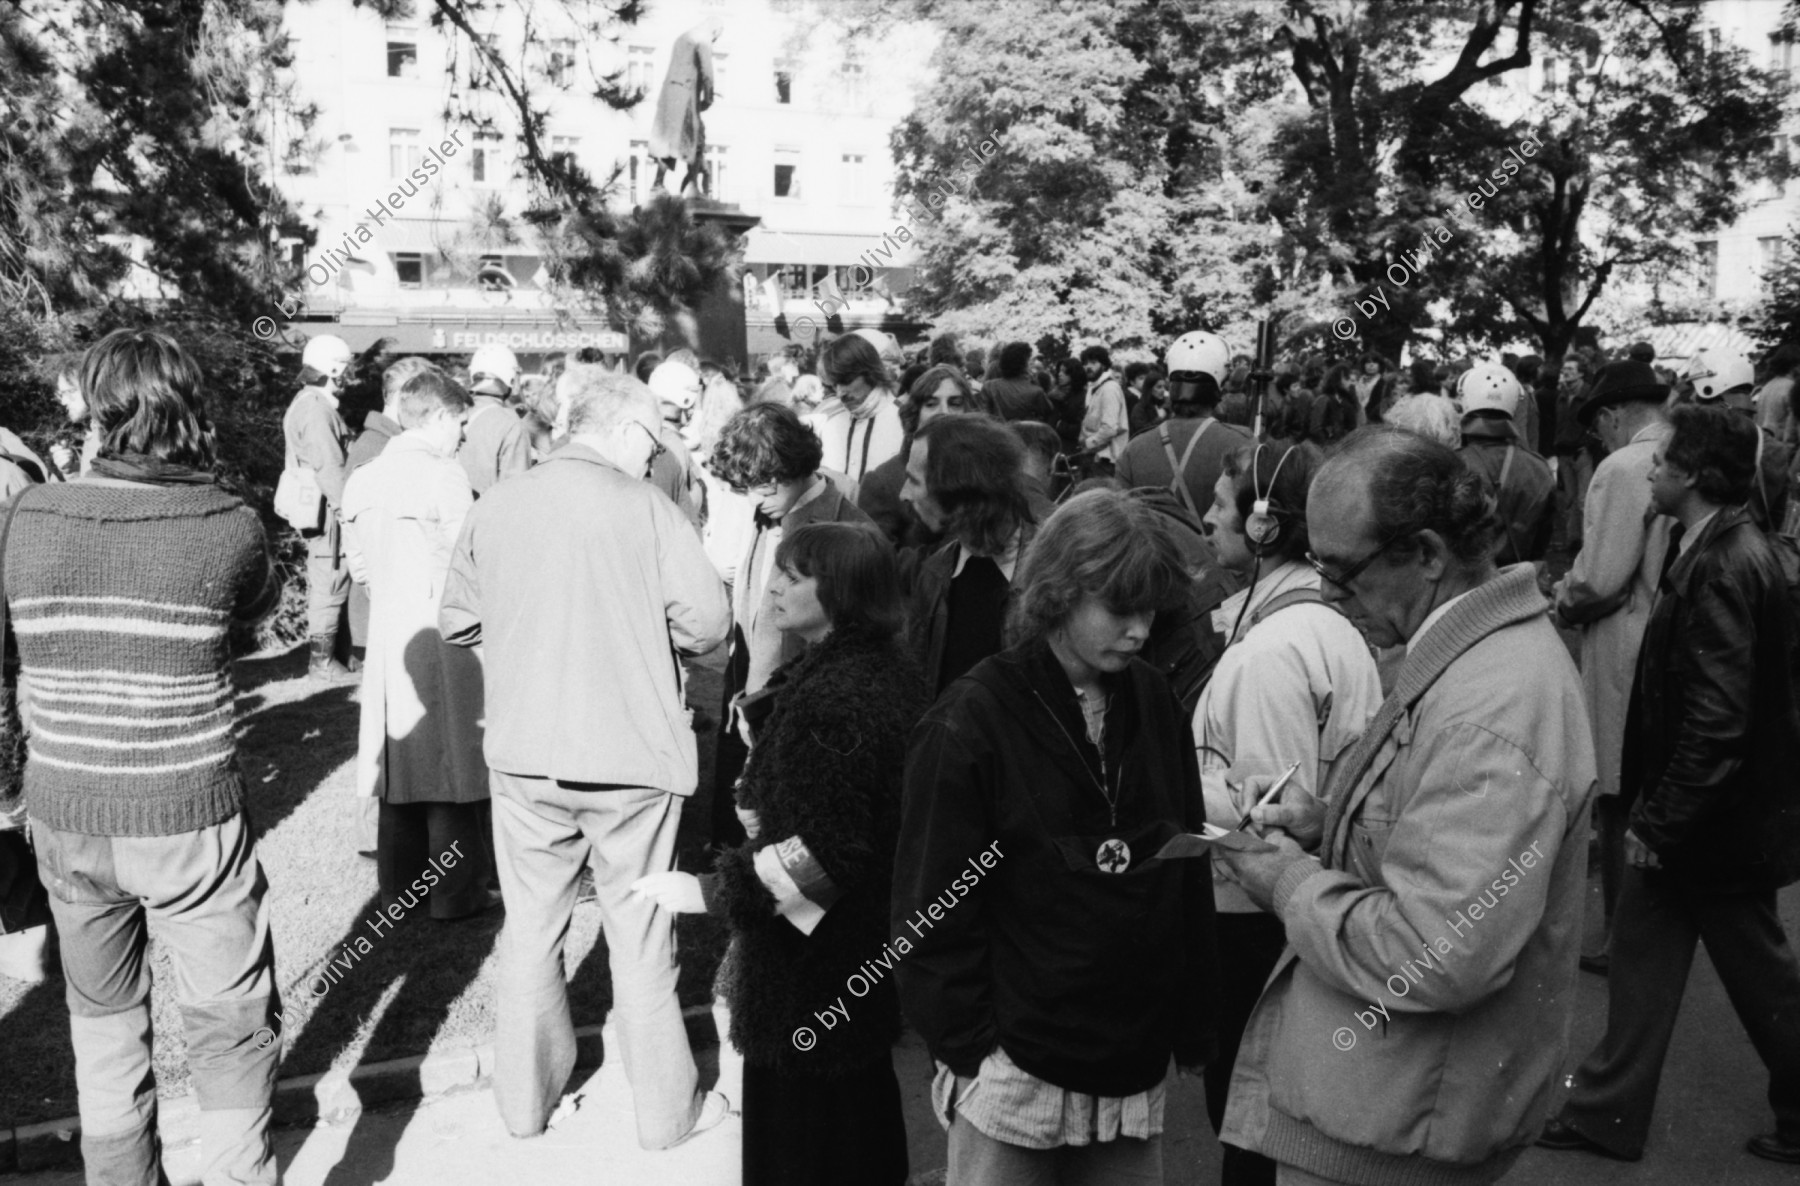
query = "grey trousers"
{"x": 544, "y": 832}
{"x": 202, "y": 893}
{"x": 1656, "y": 926}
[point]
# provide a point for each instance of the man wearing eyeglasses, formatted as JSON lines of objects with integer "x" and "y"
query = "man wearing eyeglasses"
{"x": 1432, "y": 900}
{"x": 584, "y": 586}
{"x": 1608, "y": 592}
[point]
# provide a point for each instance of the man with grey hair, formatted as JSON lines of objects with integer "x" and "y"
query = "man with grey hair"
{"x": 584, "y": 586}
{"x": 1432, "y": 899}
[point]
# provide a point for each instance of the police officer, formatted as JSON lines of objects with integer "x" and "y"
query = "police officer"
{"x": 1521, "y": 480}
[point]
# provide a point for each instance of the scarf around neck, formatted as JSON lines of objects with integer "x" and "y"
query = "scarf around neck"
{"x": 141, "y": 467}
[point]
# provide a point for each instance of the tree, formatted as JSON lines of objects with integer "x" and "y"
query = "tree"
{"x": 1648, "y": 145}
{"x": 1779, "y": 323}
{"x": 1079, "y": 183}
{"x": 644, "y": 268}
{"x": 138, "y": 119}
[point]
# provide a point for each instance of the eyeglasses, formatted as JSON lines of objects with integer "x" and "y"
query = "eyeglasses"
{"x": 657, "y": 448}
{"x": 1342, "y": 579}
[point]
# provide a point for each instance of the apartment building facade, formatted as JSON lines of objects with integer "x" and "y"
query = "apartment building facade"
{"x": 410, "y": 170}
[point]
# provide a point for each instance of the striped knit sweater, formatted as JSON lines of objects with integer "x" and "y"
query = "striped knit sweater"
{"x": 121, "y": 596}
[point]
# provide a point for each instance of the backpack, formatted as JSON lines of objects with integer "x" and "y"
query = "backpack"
{"x": 1183, "y": 644}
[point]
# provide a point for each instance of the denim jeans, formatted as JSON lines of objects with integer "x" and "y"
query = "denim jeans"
{"x": 202, "y": 892}
{"x": 544, "y": 832}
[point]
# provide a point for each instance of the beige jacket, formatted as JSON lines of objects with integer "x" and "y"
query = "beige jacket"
{"x": 585, "y": 586}
{"x": 420, "y": 738}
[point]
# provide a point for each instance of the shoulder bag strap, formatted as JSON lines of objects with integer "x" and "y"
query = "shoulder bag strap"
{"x": 1506, "y": 520}
{"x": 1282, "y": 601}
{"x": 1178, "y": 467}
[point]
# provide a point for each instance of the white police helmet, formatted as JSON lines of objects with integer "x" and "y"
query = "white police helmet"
{"x": 1490, "y": 387}
{"x": 328, "y": 354}
{"x": 1198, "y": 352}
{"x": 493, "y": 365}
{"x": 1715, "y": 371}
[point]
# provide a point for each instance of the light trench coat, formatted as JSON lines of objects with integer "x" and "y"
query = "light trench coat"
{"x": 422, "y": 712}
{"x": 1611, "y": 587}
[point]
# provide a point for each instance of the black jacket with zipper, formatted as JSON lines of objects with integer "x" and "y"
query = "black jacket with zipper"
{"x": 1089, "y": 979}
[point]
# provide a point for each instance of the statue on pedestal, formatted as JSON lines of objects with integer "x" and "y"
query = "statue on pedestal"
{"x": 679, "y": 133}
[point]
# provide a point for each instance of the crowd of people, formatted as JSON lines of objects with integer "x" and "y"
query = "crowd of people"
{"x": 1102, "y": 726}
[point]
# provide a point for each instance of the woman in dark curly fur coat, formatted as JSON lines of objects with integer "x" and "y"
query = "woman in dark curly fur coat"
{"x": 807, "y": 894}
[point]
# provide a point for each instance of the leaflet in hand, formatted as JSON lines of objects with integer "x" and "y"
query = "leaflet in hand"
{"x": 1193, "y": 844}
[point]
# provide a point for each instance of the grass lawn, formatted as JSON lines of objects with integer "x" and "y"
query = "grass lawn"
{"x": 425, "y": 985}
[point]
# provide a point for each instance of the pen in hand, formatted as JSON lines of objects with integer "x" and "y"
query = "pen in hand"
{"x": 1274, "y": 789}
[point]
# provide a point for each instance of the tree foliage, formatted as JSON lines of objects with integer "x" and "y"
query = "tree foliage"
{"x": 1111, "y": 208}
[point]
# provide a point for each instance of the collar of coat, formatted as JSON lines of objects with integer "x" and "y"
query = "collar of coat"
{"x": 1506, "y": 600}
{"x": 1681, "y": 573}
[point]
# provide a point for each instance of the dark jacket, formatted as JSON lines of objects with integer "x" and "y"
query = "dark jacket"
{"x": 826, "y": 768}
{"x": 925, "y": 576}
{"x": 1712, "y": 734}
{"x": 1088, "y": 979}
{"x": 1019, "y": 399}
{"x": 1526, "y": 498}
{"x": 878, "y": 496}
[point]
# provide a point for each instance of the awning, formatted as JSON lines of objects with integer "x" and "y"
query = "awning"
{"x": 410, "y": 333}
{"x": 764, "y": 245}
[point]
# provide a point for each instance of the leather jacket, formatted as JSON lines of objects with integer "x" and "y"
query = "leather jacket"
{"x": 1713, "y": 735}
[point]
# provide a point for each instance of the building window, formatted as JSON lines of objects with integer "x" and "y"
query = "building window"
{"x": 409, "y": 267}
{"x": 640, "y": 68}
{"x": 559, "y": 61}
{"x": 1768, "y": 254}
{"x": 856, "y": 91}
{"x": 403, "y": 59}
{"x": 638, "y": 172}
{"x": 404, "y": 153}
{"x": 481, "y": 73}
{"x": 784, "y": 82}
{"x": 1707, "y": 255}
{"x": 485, "y": 162}
{"x": 1552, "y": 75}
{"x": 717, "y": 157}
{"x": 852, "y": 278}
{"x": 787, "y": 173}
{"x": 565, "y": 150}
{"x": 855, "y": 176}
{"x": 492, "y": 275}
{"x": 1781, "y": 53}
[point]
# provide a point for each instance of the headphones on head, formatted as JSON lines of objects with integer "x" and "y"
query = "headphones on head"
{"x": 1263, "y": 527}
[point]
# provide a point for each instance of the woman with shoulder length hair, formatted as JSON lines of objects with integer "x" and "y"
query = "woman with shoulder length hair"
{"x": 123, "y": 585}
{"x": 1054, "y": 965}
{"x": 1296, "y": 684}
{"x": 807, "y": 894}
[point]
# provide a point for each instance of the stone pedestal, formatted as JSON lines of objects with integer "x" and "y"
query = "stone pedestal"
{"x": 720, "y": 317}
